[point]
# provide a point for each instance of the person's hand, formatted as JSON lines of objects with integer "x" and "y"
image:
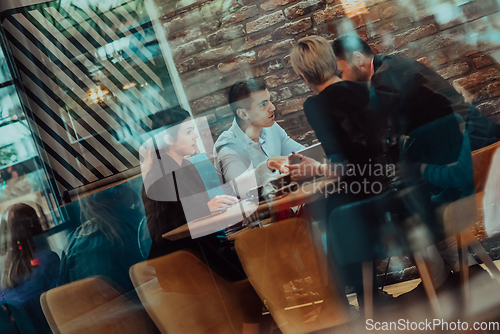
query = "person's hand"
{"x": 306, "y": 168}
{"x": 221, "y": 202}
{"x": 278, "y": 163}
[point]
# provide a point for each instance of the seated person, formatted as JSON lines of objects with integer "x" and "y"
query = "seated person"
{"x": 105, "y": 243}
{"x": 29, "y": 268}
{"x": 168, "y": 180}
{"x": 254, "y": 139}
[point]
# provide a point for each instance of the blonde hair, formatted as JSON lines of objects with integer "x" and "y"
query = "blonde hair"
{"x": 313, "y": 57}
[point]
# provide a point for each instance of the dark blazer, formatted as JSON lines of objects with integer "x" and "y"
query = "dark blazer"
{"x": 415, "y": 95}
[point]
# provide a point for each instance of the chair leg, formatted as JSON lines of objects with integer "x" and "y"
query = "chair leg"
{"x": 427, "y": 282}
{"x": 476, "y": 246}
{"x": 463, "y": 260}
{"x": 367, "y": 271}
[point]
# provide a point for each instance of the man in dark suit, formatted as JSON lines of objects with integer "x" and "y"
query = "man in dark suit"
{"x": 420, "y": 105}
{"x": 409, "y": 90}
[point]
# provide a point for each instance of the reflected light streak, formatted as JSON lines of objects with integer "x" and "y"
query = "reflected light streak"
{"x": 354, "y": 7}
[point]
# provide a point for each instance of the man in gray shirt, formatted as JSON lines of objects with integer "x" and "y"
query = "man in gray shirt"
{"x": 254, "y": 143}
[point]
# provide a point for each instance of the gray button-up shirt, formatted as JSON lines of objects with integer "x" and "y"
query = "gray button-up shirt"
{"x": 236, "y": 151}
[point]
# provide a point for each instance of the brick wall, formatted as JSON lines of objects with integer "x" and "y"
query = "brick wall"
{"x": 214, "y": 43}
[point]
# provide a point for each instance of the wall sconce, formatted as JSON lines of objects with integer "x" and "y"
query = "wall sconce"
{"x": 354, "y": 7}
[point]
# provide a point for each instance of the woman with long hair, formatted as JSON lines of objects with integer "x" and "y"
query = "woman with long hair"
{"x": 27, "y": 270}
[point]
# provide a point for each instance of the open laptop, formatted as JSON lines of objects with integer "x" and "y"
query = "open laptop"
{"x": 315, "y": 152}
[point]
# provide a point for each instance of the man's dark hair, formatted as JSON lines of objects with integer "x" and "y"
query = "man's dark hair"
{"x": 346, "y": 45}
{"x": 240, "y": 91}
{"x": 169, "y": 117}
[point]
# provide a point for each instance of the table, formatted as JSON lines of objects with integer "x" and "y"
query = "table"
{"x": 307, "y": 192}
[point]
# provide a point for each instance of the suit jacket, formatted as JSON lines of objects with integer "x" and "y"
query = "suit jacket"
{"x": 414, "y": 95}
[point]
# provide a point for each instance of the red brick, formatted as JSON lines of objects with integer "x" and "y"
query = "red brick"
{"x": 220, "y": 127}
{"x": 463, "y": 49}
{"x": 423, "y": 15}
{"x": 327, "y": 30}
{"x": 409, "y": 52}
{"x": 281, "y": 78}
{"x": 303, "y": 135}
{"x": 440, "y": 58}
{"x": 299, "y": 89}
{"x": 266, "y": 68}
{"x": 490, "y": 107}
{"x": 280, "y": 94}
{"x": 224, "y": 111}
{"x": 303, "y": 120}
{"x": 240, "y": 15}
{"x": 493, "y": 89}
{"x": 190, "y": 48}
{"x": 214, "y": 55}
{"x": 379, "y": 47}
{"x": 183, "y": 21}
{"x": 183, "y": 36}
{"x": 232, "y": 64}
{"x": 202, "y": 75}
{"x": 425, "y": 61}
{"x": 414, "y": 34}
{"x": 452, "y": 23}
{"x": 302, "y": 8}
{"x": 483, "y": 61}
{"x": 382, "y": 28}
{"x": 328, "y": 13}
{"x": 226, "y": 34}
{"x": 292, "y": 28}
{"x": 358, "y": 21}
{"x": 288, "y": 123}
{"x": 454, "y": 70}
{"x": 233, "y": 77}
{"x": 187, "y": 65}
{"x": 218, "y": 7}
{"x": 291, "y": 106}
{"x": 209, "y": 27}
{"x": 479, "y": 8}
{"x": 197, "y": 90}
{"x": 272, "y": 4}
{"x": 479, "y": 78}
{"x": 373, "y": 15}
{"x": 434, "y": 60}
{"x": 208, "y": 102}
{"x": 275, "y": 49}
{"x": 211, "y": 119}
{"x": 389, "y": 10}
{"x": 249, "y": 42}
{"x": 363, "y": 34}
{"x": 373, "y": 2}
{"x": 264, "y": 22}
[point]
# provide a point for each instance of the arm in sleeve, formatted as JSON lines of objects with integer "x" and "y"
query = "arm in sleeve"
{"x": 288, "y": 145}
{"x": 458, "y": 175}
{"x": 234, "y": 165}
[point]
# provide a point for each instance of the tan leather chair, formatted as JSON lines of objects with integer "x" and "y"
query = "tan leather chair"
{"x": 286, "y": 265}
{"x": 93, "y": 306}
{"x": 192, "y": 298}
